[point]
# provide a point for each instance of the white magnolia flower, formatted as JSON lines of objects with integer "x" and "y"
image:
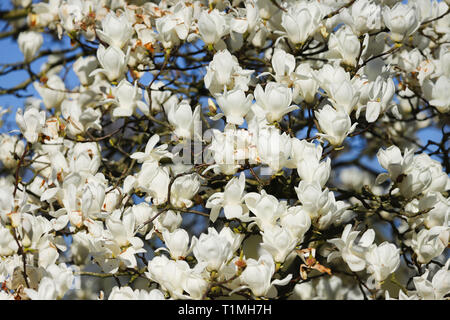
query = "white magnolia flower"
{"x": 440, "y": 94}
{"x": 117, "y": 31}
{"x": 29, "y": 43}
{"x": 126, "y": 293}
{"x": 296, "y": 221}
{"x": 274, "y": 149}
{"x": 382, "y": 260}
{"x": 275, "y": 100}
{"x": 402, "y": 20}
{"x": 278, "y": 241}
{"x": 266, "y": 208}
{"x": 185, "y": 121}
{"x": 177, "y": 242}
{"x": 212, "y": 26}
{"x": 152, "y": 153}
{"x": 345, "y": 45}
{"x": 31, "y": 123}
{"x": 380, "y": 96}
{"x": 213, "y": 249}
{"x": 258, "y": 276}
{"x": 113, "y": 62}
{"x": 231, "y": 200}
{"x": 235, "y": 105}
{"x": 437, "y": 288}
{"x": 351, "y": 252}
{"x": 52, "y": 91}
{"x": 83, "y": 67}
{"x": 46, "y": 290}
{"x": 175, "y": 26}
{"x": 301, "y": 20}
{"x": 334, "y": 125}
{"x": 183, "y": 189}
{"x": 428, "y": 244}
{"x": 127, "y": 98}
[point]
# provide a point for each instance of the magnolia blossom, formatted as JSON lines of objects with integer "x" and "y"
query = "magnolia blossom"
{"x": 29, "y": 43}
{"x": 235, "y": 105}
{"x": 116, "y": 31}
{"x": 212, "y": 26}
{"x": 52, "y": 91}
{"x": 335, "y": 125}
{"x": 402, "y": 20}
{"x": 300, "y": 21}
{"x": 231, "y": 200}
{"x": 382, "y": 260}
{"x": 351, "y": 252}
{"x": 428, "y": 244}
{"x": 275, "y": 100}
{"x": 258, "y": 276}
{"x": 113, "y": 62}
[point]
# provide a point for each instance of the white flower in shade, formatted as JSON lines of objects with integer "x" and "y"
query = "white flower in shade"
{"x": 311, "y": 169}
{"x": 52, "y": 92}
{"x": 10, "y": 145}
{"x": 29, "y": 43}
{"x": 213, "y": 249}
{"x": 212, "y": 26}
{"x": 183, "y": 189}
{"x": 275, "y": 100}
{"x": 46, "y": 290}
{"x": 300, "y": 21}
{"x": 278, "y": 241}
{"x": 437, "y": 288}
{"x": 334, "y": 125}
{"x": 352, "y": 252}
{"x": 428, "y": 244}
{"x": 257, "y": 276}
{"x": 152, "y": 153}
{"x": 345, "y": 45}
{"x": 235, "y": 106}
{"x": 266, "y": 208}
{"x": 184, "y": 119}
{"x": 440, "y": 94}
{"x": 117, "y": 31}
{"x": 382, "y": 260}
{"x": 231, "y": 200}
{"x": 83, "y": 67}
{"x": 402, "y": 20}
{"x": 31, "y": 123}
{"x": 296, "y": 221}
{"x": 113, "y": 62}
{"x": 8, "y": 245}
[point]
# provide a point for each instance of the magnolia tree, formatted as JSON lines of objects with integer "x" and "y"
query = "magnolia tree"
{"x": 253, "y": 149}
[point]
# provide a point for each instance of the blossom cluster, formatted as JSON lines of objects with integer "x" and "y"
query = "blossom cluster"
{"x": 204, "y": 152}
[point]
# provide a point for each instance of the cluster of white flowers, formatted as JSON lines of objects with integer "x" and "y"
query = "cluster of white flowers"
{"x": 202, "y": 152}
